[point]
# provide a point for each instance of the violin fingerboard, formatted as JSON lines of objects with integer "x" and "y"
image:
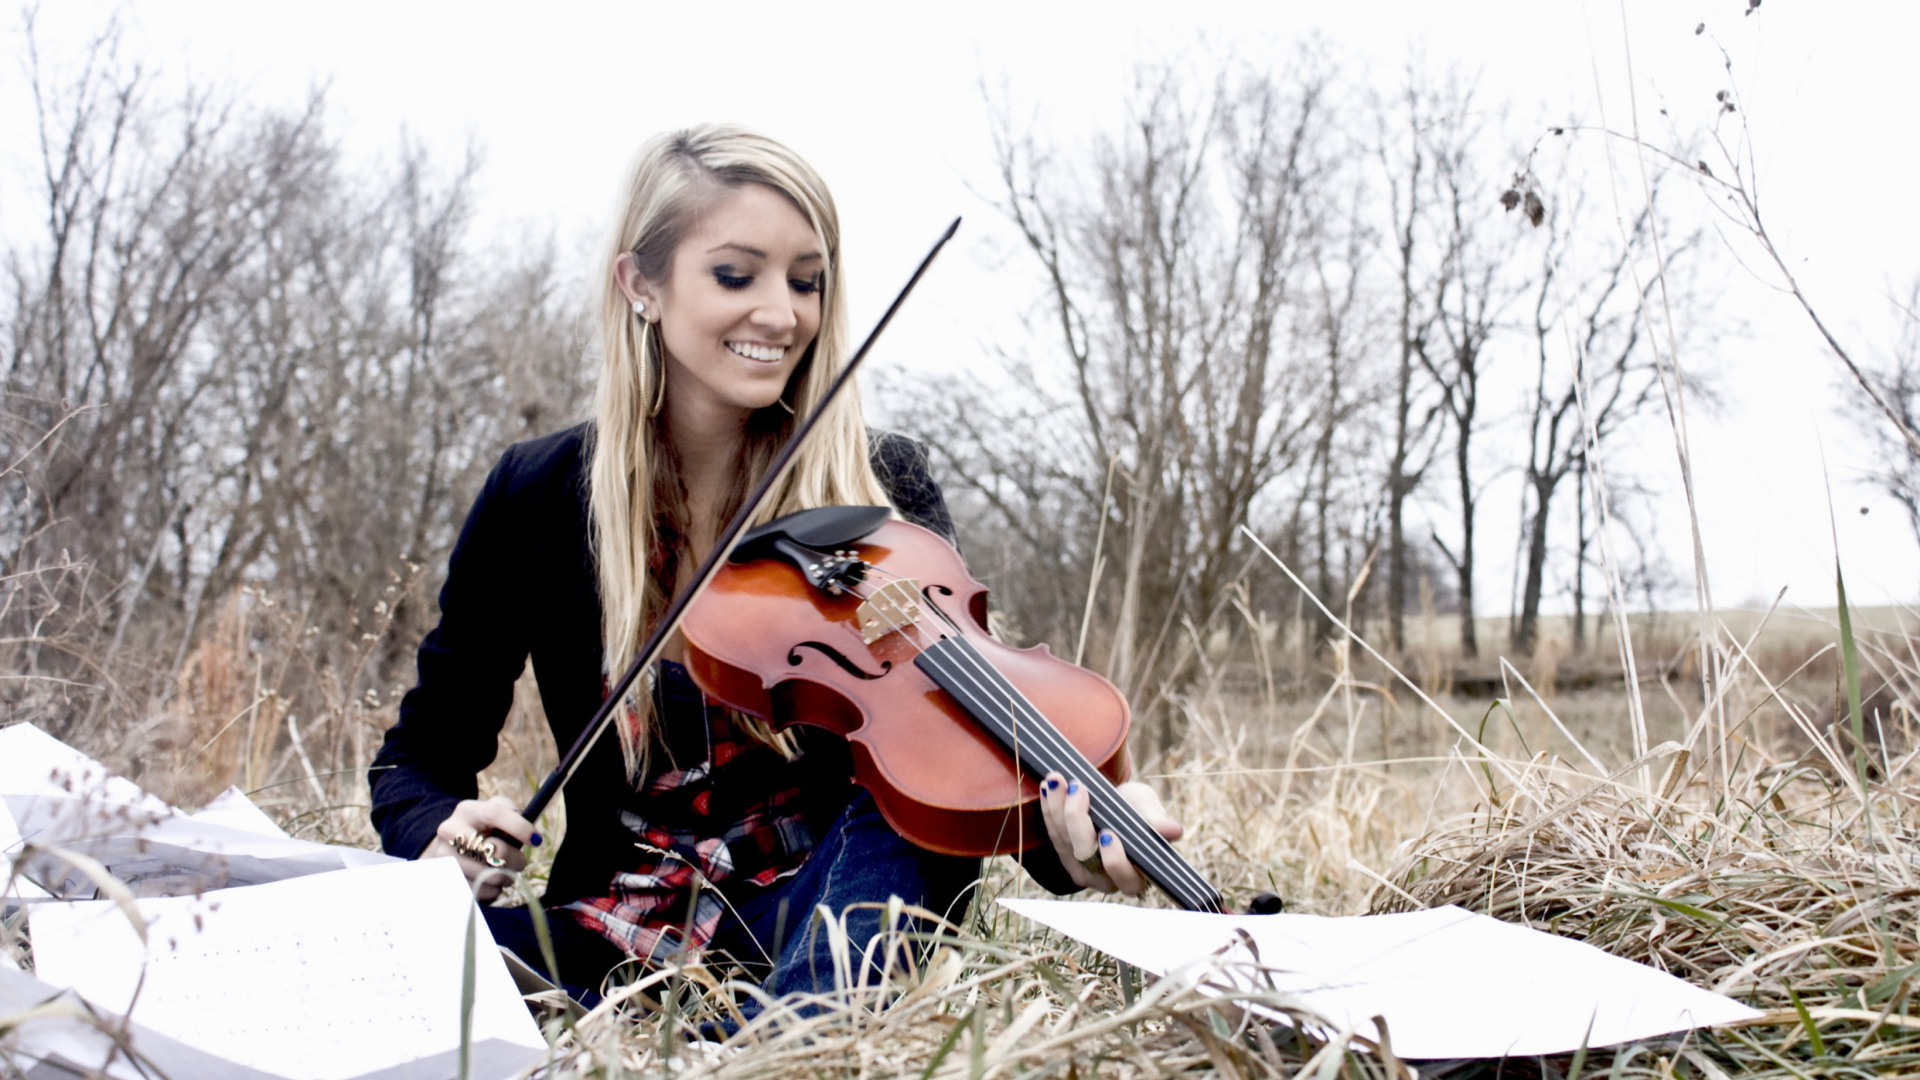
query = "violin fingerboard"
{"x": 999, "y": 707}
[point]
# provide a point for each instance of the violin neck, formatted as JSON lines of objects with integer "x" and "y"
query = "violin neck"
{"x": 957, "y": 667}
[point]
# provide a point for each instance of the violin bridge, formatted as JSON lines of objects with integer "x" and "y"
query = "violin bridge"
{"x": 893, "y": 606}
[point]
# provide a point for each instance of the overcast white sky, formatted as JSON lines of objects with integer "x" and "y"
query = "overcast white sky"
{"x": 885, "y": 100}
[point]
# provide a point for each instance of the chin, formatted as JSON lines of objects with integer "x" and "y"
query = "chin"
{"x": 768, "y": 398}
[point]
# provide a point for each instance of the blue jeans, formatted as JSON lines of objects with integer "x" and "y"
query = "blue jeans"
{"x": 772, "y": 932}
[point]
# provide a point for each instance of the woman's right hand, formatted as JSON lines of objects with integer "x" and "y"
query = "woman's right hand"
{"x": 476, "y": 820}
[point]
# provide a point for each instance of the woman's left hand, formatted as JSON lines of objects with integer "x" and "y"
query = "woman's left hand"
{"x": 1095, "y": 858}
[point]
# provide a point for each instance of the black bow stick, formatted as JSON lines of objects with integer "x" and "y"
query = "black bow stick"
{"x": 1264, "y": 903}
{"x": 722, "y": 547}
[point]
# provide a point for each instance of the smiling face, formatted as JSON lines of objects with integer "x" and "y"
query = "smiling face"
{"x": 739, "y": 305}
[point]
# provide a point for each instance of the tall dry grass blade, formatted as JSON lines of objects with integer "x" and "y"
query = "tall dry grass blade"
{"x": 1256, "y": 633}
{"x": 1601, "y": 494}
{"x": 110, "y": 887}
{"x": 1672, "y": 384}
{"x": 1850, "y": 665}
{"x": 1375, "y": 653}
{"x": 467, "y": 960}
{"x": 306, "y": 763}
{"x": 1507, "y": 670}
{"x": 1099, "y": 561}
{"x": 542, "y": 933}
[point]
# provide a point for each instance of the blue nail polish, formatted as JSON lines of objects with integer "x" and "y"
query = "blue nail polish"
{"x": 1106, "y": 838}
{"x": 1073, "y": 787}
{"x": 1053, "y": 782}
{"x": 538, "y": 839}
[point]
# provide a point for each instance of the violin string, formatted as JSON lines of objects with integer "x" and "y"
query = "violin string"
{"x": 1145, "y": 843}
{"x": 880, "y": 571}
{"x": 1147, "y": 846}
{"x": 1150, "y": 846}
{"x": 1068, "y": 757}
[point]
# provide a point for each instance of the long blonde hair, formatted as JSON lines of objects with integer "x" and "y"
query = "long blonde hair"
{"x": 638, "y": 504}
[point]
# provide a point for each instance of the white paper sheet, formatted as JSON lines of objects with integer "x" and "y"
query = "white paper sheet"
{"x": 326, "y": 977}
{"x": 1450, "y": 983}
{"x": 51, "y": 793}
{"x": 61, "y": 1036}
{"x": 34, "y": 762}
{"x": 233, "y": 809}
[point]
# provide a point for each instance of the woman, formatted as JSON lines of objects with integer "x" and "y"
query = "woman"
{"x": 722, "y": 318}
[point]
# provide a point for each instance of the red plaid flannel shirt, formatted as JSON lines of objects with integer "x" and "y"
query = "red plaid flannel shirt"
{"x": 733, "y": 816}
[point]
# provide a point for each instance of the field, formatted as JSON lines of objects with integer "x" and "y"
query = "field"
{"x": 1353, "y": 316}
{"x": 1754, "y": 848}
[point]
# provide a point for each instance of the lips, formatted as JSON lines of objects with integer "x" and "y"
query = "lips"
{"x": 752, "y": 350}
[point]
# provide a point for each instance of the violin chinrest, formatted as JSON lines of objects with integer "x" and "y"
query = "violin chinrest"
{"x": 822, "y": 528}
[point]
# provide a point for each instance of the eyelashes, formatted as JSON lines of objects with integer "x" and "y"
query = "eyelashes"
{"x": 732, "y": 282}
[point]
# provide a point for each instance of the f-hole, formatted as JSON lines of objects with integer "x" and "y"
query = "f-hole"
{"x": 838, "y": 657}
{"x": 976, "y": 607}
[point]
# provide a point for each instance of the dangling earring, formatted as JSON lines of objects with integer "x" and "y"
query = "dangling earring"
{"x": 659, "y": 384}
{"x": 660, "y": 380}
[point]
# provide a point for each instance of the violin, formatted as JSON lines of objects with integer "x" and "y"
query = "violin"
{"x": 847, "y": 619}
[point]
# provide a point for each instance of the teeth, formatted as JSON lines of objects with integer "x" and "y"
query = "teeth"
{"x": 764, "y": 353}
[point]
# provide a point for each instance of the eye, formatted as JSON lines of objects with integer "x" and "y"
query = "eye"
{"x": 807, "y": 286}
{"x": 730, "y": 280}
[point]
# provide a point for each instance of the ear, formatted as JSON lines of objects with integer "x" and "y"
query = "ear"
{"x": 634, "y": 286}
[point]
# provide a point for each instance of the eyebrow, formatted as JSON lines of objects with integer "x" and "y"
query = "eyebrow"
{"x": 757, "y": 253}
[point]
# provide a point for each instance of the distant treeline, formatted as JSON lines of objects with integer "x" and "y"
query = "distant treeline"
{"x": 233, "y": 365}
{"x": 1274, "y": 298}
{"x": 1328, "y": 311}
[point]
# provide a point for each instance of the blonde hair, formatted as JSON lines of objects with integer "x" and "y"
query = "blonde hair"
{"x": 639, "y": 514}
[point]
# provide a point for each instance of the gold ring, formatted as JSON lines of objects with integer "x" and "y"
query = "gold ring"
{"x": 486, "y": 851}
{"x": 1093, "y": 863}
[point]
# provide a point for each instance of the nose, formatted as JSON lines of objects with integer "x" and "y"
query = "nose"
{"x": 775, "y": 313}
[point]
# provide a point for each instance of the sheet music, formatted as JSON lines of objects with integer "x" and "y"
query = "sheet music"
{"x": 61, "y": 1037}
{"x": 1451, "y": 984}
{"x": 323, "y": 977}
{"x": 51, "y": 793}
{"x": 232, "y": 809}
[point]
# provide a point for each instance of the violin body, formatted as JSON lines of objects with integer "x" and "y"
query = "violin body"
{"x": 765, "y": 641}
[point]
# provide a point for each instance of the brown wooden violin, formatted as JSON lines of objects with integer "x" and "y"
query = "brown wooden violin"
{"x": 847, "y": 619}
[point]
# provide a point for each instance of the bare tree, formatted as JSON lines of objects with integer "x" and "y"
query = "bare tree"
{"x": 1588, "y": 318}
{"x": 1470, "y": 295}
{"x": 1407, "y": 171}
{"x": 239, "y": 368}
{"x": 1898, "y": 385}
{"x": 1169, "y": 276}
{"x": 1340, "y": 472}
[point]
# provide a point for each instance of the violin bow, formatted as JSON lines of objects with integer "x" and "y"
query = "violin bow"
{"x": 723, "y": 547}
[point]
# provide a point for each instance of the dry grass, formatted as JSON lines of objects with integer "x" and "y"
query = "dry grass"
{"x": 1792, "y": 888}
{"x": 976, "y": 1008}
{"x": 1770, "y": 897}
{"x": 1788, "y": 891}
{"x": 999, "y": 998}
{"x": 1766, "y": 868}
